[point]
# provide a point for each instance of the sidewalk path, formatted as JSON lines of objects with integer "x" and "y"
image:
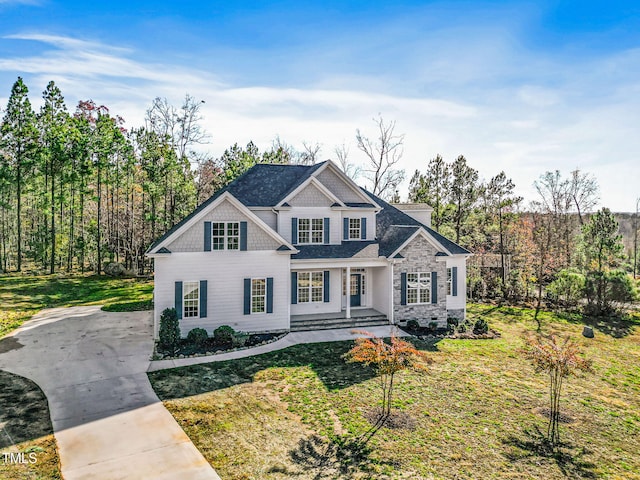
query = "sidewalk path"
{"x": 107, "y": 420}
{"x": 288, "y": 340}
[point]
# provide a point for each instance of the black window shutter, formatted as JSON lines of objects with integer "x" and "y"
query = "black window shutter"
{"x": 294, "y": 230}
{"x": 203, "y": 298}
{"x": 326, "y": 286}
{"x": 178, "y": 299}
{"x": 345, "y": 229}
{"x": 269, "y": 294}
{"x": 326, "y": 230}
{"x": 207, "y": 236}
{"x": 403, "y": 288}
{"x": 247, "y": 296}
{"x": 243, "y": 236}
{"x": 434, "y": 287}
{"x": 363, "y": 228}
{"x": 294, "y": 288}
{"x": 454, "y": 281}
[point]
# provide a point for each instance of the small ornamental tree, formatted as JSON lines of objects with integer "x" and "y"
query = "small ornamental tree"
{"x": 387, "y": 359}
{"x": 559, "y": 361}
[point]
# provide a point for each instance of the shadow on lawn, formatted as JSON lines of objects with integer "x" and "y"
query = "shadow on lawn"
{"x": 534, "y": 445}
{"x": 325, "y": 359}
{"x": 615, "y": 326}
{"x": 335, "y": 459}
{"x": 24, "y": 411}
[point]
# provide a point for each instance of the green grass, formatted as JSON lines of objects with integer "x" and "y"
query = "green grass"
{"x": 476, "y": 409}
{"x": 21, "y": 296}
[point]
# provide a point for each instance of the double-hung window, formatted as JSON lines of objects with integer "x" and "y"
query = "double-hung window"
{"x": 418, "y": 288}
{"x": 354, "y": 229}
{"x": 449, "y": 281}
{"x": 310, "y": 287}
{"x": 190, "y": 299}
{"x": 258, "y": 295}
{"x": 310, "y": 230}
{"x": 225, "y": 235}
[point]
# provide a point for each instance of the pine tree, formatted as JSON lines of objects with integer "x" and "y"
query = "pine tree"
{"x": 18, "y": 141}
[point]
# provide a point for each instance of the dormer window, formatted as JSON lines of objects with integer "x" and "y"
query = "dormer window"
{"x": 310, "y": 230}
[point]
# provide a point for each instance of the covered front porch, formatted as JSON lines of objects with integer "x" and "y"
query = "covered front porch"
{"x": 358, "y": 318}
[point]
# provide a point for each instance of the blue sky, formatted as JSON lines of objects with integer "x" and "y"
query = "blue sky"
{"x": 523, "y": 87}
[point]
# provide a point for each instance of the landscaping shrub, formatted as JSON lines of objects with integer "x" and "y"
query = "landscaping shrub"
{"x": 433, "y": 326}
{"x": 481, "y": 326}
{"x": 223, "y": 334}
{"x": 413, "y": 325}
{"x": 452, "y": 323}
{"x": 169, "y": 333}
{"x": 197, "y": 336}
{"x": 239, "y": 339}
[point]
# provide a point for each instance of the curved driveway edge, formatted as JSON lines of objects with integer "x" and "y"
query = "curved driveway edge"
{"x": 295, "y": 338}
{"x": 107, "y": 420}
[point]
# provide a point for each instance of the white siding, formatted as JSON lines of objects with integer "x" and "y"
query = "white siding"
{"x": 380, "y": 287}
{"x": 225, "y": 275}
{"x": 460, "y": 300}
{"x": 335, "y": 221}
{"x": 335, "y": 297}
{"x": 355, "y": 213}
{"x": 268, "y": 217}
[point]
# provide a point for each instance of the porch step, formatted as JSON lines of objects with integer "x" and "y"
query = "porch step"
{"x": 331, "y": 323}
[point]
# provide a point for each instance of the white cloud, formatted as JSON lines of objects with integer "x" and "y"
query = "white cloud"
{"x": 583, "y": 116}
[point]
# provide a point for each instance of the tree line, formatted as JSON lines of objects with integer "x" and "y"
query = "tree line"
{"x": 78, "y": 189}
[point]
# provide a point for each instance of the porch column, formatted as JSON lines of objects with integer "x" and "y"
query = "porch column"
{"x": 348, "y": 291}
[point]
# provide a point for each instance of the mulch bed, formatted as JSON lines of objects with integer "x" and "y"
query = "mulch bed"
{"x": 397, "y": 420}
{"x": 425, "y": 333}
{"x": 211, "y": 347}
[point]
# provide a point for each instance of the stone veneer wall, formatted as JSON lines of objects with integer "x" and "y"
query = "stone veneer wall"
{"x": 419, "y": 256}
{"x": 457, "y": 313}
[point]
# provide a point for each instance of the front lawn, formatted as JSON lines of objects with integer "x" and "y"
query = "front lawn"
{"x": 477, "y": 410}
{"x": 21, "y": 296}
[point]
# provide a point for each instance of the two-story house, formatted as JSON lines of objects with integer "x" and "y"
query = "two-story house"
{"x": 288, "y": 247}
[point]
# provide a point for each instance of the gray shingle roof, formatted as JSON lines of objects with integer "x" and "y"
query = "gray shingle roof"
{"x": 265, "y": 185}
{"x": 392, "y": 238}
{"x": 344, "y": 250}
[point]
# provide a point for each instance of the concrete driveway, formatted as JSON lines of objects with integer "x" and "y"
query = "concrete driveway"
{"x": 107, "y": 420}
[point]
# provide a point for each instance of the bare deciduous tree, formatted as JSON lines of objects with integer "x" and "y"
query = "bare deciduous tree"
{"x": 310, "y": 153}
{"x": 181, "y": 126}
{"x": 383, "y": 154}
{"x": 352, "y": 170}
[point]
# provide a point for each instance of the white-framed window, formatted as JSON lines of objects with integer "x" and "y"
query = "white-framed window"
{"x": 418, "y": 287}
{"x": 354, "y": 229}
{"x": 449, "y": 281}
{"x": 363, "y": 281}
{"x": 225, "y": 235}
{"x": 310, "y": 287}
{"x": 190, "y": 299}
{"x": 310, "y": 230}
{"x": 258, "y": 295}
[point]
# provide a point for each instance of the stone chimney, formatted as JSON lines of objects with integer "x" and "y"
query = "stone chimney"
{"x": 419, "y": 211}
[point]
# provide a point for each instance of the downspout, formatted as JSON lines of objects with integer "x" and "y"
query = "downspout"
{"x": 390, "y": 314}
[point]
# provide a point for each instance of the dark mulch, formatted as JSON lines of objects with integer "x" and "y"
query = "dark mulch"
{"x": 563, "y": 417}
{"x": 397, "y": 419}
{"x": 443, "y": 333}
{"x": 210, "y": 345}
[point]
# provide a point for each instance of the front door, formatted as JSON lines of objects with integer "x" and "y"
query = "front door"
{"x": 356, "y": 289}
